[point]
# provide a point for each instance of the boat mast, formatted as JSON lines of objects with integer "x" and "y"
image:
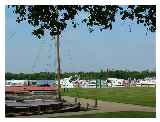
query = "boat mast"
{"x": 58, "y": 60}
{"x": 58, "y": 66}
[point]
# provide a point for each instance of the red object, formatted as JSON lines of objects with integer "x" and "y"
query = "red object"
{"x": 20, "y": 89}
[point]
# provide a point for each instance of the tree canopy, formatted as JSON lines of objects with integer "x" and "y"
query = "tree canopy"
{"x": 55, "y": 18}
{"x": 124, "y": 74}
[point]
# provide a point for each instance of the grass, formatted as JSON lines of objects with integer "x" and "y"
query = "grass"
{"x": 138, "y": 96}
{"x": 127, "y": 114}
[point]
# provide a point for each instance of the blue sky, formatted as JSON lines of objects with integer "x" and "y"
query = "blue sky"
{"x": 80, "y": 50}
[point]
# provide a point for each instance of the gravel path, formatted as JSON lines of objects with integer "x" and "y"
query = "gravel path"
{"x": 103, "y": 106}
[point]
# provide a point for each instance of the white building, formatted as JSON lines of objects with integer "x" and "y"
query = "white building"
{"x": 66, "y": 83}
{"x": 16, "y": 82}
{"x": 92, "y": 84}
{"x": 115, "y": 82}
{"x": 147, "y": 82}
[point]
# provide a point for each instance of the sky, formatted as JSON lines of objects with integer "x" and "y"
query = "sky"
{"x": 80, "y": 50}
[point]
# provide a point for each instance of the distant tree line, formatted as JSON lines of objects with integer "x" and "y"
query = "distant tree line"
{"x": 123, "y": 74}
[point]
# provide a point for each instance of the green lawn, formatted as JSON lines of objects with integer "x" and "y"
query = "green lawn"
{"x": 139, "y": 96}
{"x": 128, "y": 114}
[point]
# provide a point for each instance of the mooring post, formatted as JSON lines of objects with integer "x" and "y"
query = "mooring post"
{"x": 96, "y": 103}
{"x": 39, "y": 109}
{"x": 87, "y": 106}
{"x": 79, "y": 104}
{"x": 75, "y": 99}
{"x": 63, "y": 100}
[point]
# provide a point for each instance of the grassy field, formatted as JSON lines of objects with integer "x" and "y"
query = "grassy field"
{"x": 138, "y": 96}
{"x": 128, "y": 114}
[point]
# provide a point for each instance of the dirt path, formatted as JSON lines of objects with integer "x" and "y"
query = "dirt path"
{"x": 103, "y": 106}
